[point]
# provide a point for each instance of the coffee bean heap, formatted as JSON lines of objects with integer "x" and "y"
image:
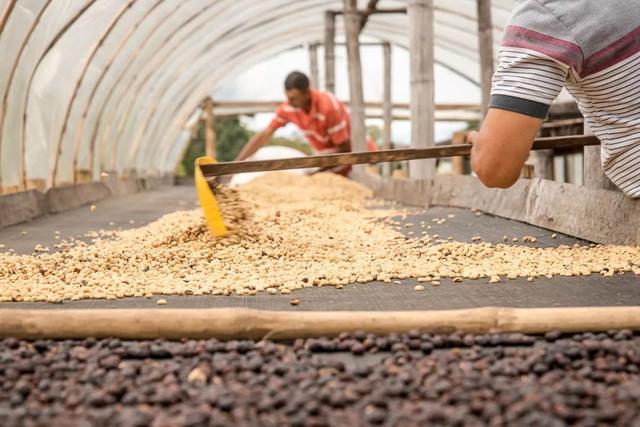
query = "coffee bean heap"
{"x": 356, "y": 379}
{"x": 286, "y": 233}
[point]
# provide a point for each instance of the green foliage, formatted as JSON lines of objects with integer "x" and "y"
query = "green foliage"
{"x": 375, "y": 132}
{"x": 195, "y": 150}
{"x": 231, "y": 136}
{"x": 473, "y": 124}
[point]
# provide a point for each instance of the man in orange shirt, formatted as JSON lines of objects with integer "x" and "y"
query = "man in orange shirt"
{"x": 323, "y": 119}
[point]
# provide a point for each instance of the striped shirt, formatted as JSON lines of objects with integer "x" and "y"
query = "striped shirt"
{"x": 590, "y": 47}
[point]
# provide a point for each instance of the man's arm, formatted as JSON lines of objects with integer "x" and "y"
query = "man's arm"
{"x": 340, "y": 148}
{"x": 502, "y": 146}
{"x": 255, "y": 143}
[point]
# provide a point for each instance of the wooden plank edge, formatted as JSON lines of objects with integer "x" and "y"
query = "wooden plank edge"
{"x": 595, "y": 215}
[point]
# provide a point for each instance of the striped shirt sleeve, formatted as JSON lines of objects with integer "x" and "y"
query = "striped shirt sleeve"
{"x": 526, "y": 82}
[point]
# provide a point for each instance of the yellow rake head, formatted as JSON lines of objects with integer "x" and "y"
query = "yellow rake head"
{"x": 208, "y": 200}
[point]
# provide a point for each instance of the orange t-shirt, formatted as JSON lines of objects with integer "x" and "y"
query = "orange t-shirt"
{"x": 327, "y": 124}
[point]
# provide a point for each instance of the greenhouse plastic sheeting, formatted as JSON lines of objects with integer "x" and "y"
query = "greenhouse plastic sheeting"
{"x": 110, "y": 85}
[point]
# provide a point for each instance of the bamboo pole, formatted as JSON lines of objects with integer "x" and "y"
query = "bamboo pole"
{"x": 387, "y": 103}
{"x": 457, "y": 163}
{"x": 422, "y": 89}
{"x": 313, "y": 65}
{"x": 244, "y": 323}
{"x": 330, "y": 51}
{"x": 359, "y": 158}
{"x": 485, "y": 46}
{"x": 356, "y": 94}
{"x": 209, "y": 129}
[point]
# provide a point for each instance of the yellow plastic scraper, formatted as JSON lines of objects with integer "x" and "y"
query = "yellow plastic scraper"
{"x": 208, "y": 199}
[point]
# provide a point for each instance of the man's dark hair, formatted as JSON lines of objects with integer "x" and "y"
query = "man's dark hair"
{"x": 296, "y": 80}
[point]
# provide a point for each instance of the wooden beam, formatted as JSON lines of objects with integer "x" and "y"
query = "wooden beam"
{"x": 371, "y": 6}
{"x": 209, "y": 129}
{"x": 36, "y": 184}
{"x": 330, "y": 51}
{"x": 372, "y": 9}
{"x": 356, "y": 93}
{"x": 594, "y": 176}
{"x": 363, "y": 12}
{"x": 485, "y": 48}
{"x": 313, "y": 65}
{"x": 363, "y": 43}
{"x": 422, "y": 87}
{"x": 387, "y": 102}
{"x": 395, "y": 117}
{"x": 363, "y": 157}
{"x": 562, "y": 123}
{"x": 368, "y": 104}
{"x": 542, "y": 162}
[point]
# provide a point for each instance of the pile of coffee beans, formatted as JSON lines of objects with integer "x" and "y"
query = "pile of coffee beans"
{"x": 287, "y": 232}
{"x": 356, "y": 379}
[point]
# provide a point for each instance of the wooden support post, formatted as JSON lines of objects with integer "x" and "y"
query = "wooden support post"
{"x": 313, "y": 65}
{"x": 209, "y": 129}
{"x": 594, "y": 176}
{"x": 35, "y": 184}
{"x": 356, "y": 94}
{"x": 422, "y": 89}
{"x": 543, "y": 164}
{"x": 527, "y": 171}
{"x": 330, "y": 51}
{"x": 457, "y": 163}
{"x": 387, "y": 105}
{"x": 485, "y": 47}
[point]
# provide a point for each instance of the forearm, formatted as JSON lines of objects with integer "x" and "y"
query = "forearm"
{"x": 502, "y": 146}
{"x": 254, "y": 144}
{"x": 340, "y": 148}
{"x": 492, "y": 170}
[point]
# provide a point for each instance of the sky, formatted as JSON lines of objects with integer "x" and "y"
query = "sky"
{"x": 264, "y": 81}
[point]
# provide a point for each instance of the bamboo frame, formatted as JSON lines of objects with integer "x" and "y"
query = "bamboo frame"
{"x": 485, "y": 47}
{"x": 52, "y": 43}
{"x": 314, "y": 71}
{"x": 356, "y": 91}
{"x": 387, "y": 102}
{"x": 85, "y": 67}
{"x": 330, "y": 51}
{"x": 159, "y": 34}
{"x": 243, "y": 323}
{"x": 94, "y": 90}
{"x": 3, "y": 21}
{"x": 421, "y": 48}
{"x": 457, "y": 163}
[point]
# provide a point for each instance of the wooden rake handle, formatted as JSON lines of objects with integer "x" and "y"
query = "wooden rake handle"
{"x": 331, "y": 160}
